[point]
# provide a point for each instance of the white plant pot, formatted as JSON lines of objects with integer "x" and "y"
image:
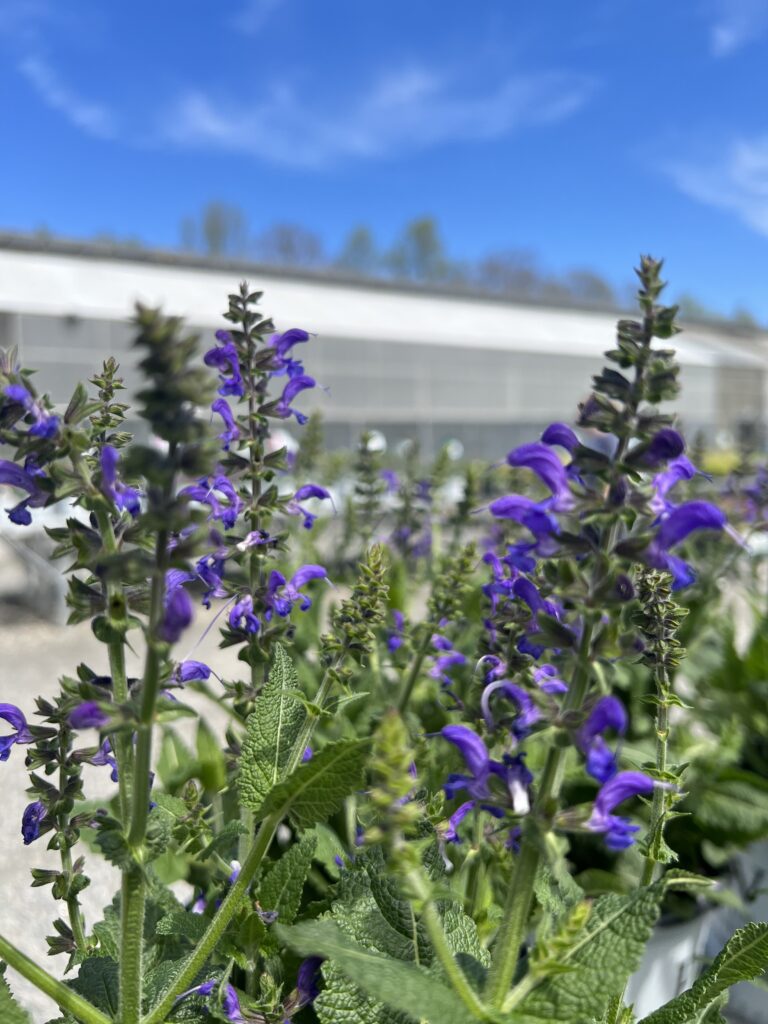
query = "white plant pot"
{"x": 670, "y": 964}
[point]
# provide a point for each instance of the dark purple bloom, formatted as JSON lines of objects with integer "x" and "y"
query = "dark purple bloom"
{"x": 231, "y": 430}
{"x": 283, "y": 343}
{"x": 211, "y": 494}
{"x": 104, "y": 756}
{"x": 674, "y": 528}
{"x": 207, "y": 986}
{"x": 282, "y": 594}
{"x": 293, "y": 388}
{"x": 303, "y": 493}
{"x": 210, "y": 569}
{"x": 396, "y": 635}
{"x": 231, "y": 1006}
{"x": 242, "y": 618}
{"x": 45, "y": 423}
{"x": 88, "y": 715}
{"x": 177, "y": 613}
{"x": 562, "y": 435}
{"x": 547, "y": 678}
{"x": 224, "y": 358}
{"x": 24, "y": 480}
{"x": 680, "y": 469}
{"x": 476, "y": 757}
{"x": 665, "y": 444}
{"x": 122, "y": 496}
{"x": 306, "y": 980}
{"x": 307, "y": 755}
{"x": 389, "y": 476}
{"x": 519, "y": 556}
{"x": 533, "y": 515}
{"x": 190, "y": 671}
{"x": 31, "y": 821}
{"x": 547, "y": 466}
{"x": 607, "y": 713}
{"x": 451, "y": 833}
{"x": 527, "y": 712}
{"x": 444, "y": 662}
{"x": 618, "y": 831}
{"x": 21, "y": 734}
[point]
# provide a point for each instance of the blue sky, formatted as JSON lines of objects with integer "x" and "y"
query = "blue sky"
{"x": 587, "y": 132}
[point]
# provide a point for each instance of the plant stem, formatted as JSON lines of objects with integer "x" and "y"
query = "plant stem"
{"x": 659, "y": 806}
{"x": 134, "y": 882}
{"x": 520, "y": 893}
{"x": 413, "y": 673}
{"x": 434, "y": 925}
{"x": 65, "y": 998}
{"x": 250, "y": 866}
{"x": 116, "y": 649}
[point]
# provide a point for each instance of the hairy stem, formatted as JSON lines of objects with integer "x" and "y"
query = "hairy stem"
{"x": 413, "y": 673}
{"x": 64, "y": 997}
{"x": 659, "y": 806}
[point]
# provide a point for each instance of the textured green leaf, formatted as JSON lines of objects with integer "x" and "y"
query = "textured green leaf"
{"x": 272, "y": 730}
{"x": 734, "y": 805}
{"x": 10, "y": 1011}
{"x": 284, "y": 883}
{"x": 183, "y": 924}
{"x": 606, "y": 952}
{"x": 744, "y": 956}
{"x": 342, "y": 1002}
{"x": 318, "y": 788}
{"x": 403, "y": 986}
{"x": 97, "y": 981}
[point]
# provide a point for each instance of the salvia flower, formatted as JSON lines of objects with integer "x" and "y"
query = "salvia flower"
{"x": 618, "y": 831}
{"x": 177, "y": 612}
{"x": 21, "y": 734}
{"x": 527, "y": 712}
{"x": 121, "y": 495}
{"x": 476, "y": 757}
{"x": 547, "y": 466}
{"x": 88, "y": 715}
{"x": 445, "y": 661}
{"x": 562, "y": 435}
{"x": 533, "y": 515}
{"x": 666, "y": 444}
{"x": 104, "y": 756}
{"x": 451, "y": 834}
{"x": 241, "y": 616}
{"x": 45, "y": 423}
{"x": 224, "y": 358}
{"x": 31, "y": 821}
{"x": 673, "y": 529}
{"x": 306, "y": 980}
{"x": 302, "y": 494}
{"x": 292, "y": 389}
{"x": 396, "y": 634}
{"x": 679, "y": 469}
{"x": 547, "y": 678}
{"x": 231, "y": 430}
{"x": 282, "y": 594}
{"x": 231, "y": 1006}
{"x": 23, "y": 480}
{"x": 220, "y": 496}
{"x": 607, "y": 713}
{"x": 191, "y": 671}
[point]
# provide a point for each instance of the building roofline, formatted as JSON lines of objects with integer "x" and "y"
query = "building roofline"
{"x": 125, "y": 252}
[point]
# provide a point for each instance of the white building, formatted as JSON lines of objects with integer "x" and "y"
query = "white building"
{"x": 410, "y": 361}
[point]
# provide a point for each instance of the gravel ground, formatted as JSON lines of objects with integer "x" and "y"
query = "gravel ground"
{"x": 33, "y": 654}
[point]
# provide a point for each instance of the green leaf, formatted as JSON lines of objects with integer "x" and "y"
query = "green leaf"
{"x": 744, "y": 956}
{"x": 318, "y": 788}
{"x": 342, "y": 1002}
{"x": 733, "y": 805}
{"x": 212, "y": 767}
{"x": 403, "y": 986}
{"x": 272, "y": 730}
{"x": 283, "y": 885}
{"x": 97, "y": 981}
{"x": 600, "y": 959}
{"x": 10, "y": 1011}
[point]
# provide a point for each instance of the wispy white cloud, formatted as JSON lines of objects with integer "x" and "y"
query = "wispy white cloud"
{"x": 254, "y": 14}
{"x": 412, "y": 109}
{"x": 736, "y": 180}
{"x": 92, "y": 118}
{"x": 735, "y": 24}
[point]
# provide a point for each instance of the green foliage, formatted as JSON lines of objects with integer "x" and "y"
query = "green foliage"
{"x": 273, "y": 729}
{"x": 317, "y": 788}
{"x": 597, "y": 958}
{"x": 10, "y": 1011}
{"x": 744, "y": 957}
{"x": 283, "y": 884}
{"x": 403, "y": 986}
